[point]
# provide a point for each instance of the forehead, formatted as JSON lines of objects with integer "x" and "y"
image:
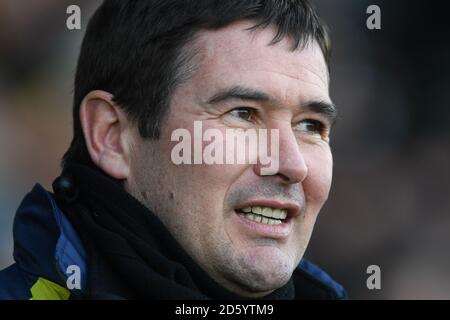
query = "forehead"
{"x": 236, "y": 55}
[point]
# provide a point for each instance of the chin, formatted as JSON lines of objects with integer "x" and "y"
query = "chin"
{"x": 265, "y": 269}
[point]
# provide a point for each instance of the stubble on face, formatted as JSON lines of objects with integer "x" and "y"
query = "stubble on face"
{"x": 196, "y": 202}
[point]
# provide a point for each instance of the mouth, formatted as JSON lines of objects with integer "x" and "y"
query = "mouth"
{"x": 264, "y": 214}
{"x": 267, "y": 218}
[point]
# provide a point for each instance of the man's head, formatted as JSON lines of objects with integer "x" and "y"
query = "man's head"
{"x": 148, "y": 68}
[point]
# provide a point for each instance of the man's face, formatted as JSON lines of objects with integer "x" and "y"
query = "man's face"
{"x": 202, "y": 205}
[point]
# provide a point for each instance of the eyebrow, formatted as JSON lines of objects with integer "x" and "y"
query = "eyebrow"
{"x": 324, "y": 108}
{"x": 327, "y": 109}
{"x": 239, "y": 92}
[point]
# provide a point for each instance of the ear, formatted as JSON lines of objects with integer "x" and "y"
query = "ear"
{"x": 107, "y": 134}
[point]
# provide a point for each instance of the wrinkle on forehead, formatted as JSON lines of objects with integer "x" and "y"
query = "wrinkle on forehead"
{"x": 233, "y": 50}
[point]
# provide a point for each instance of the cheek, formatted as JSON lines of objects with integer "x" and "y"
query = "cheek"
{"x": 201, "y": 186}
{"x": 320, "y": 171}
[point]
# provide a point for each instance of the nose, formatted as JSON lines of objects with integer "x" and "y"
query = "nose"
{"x": 292, "y": 167}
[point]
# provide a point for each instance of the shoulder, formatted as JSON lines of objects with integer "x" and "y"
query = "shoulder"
{"x": 15, "y": 284}
{"x": 311, "y": 282}
{"x": 45, "y": 245}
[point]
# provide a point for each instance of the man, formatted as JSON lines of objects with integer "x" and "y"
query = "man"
{"x": 131, "y": 222}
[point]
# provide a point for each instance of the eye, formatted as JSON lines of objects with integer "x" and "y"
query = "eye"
{"x": 311, "y": 126}
{"x": 244, "y": 113}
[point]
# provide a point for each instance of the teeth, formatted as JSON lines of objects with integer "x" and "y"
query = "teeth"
{"x": 259, "y": 218}
{"x": 265, "y": 215}
{"x": 256, "y": 210}
{"x": 267, "y": 212}
{"x": 280, "y": 213}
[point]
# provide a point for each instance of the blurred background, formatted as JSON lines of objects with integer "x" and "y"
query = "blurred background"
{"x": 389, "y": 204}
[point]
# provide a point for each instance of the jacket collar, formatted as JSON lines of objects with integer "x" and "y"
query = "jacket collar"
{"x": 45, "y": 243}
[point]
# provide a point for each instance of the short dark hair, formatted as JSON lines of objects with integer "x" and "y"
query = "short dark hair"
{"x": 135, "y": 49}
